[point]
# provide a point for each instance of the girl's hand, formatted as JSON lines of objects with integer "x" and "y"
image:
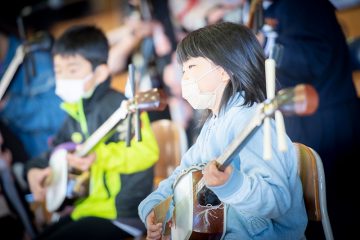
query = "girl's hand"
{"x": 154, "y": 230}
{"x": 213, "y": 176}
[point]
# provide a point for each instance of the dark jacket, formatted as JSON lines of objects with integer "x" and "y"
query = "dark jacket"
{"x": 121, "y": 176}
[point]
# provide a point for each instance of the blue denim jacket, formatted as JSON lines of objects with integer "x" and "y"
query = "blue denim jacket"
{"x": 31, "y": 108}
{"x": 264, "y": 198}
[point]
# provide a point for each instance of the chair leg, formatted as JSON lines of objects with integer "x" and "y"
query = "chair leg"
{"x": 10, "y": 190}
{"x": 323, "y": 203}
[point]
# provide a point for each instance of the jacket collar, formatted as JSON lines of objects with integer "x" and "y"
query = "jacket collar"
{"x": 98, "y": 94}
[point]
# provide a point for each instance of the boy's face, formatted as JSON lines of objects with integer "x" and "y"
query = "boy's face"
{"x": 74, "y": 67}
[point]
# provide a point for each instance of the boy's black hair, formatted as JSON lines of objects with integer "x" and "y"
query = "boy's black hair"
{"x": 87, "y": 41}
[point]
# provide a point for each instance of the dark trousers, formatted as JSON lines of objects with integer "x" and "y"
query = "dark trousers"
{"x": 86, "y": 228}
{"x": 11, "y": 228}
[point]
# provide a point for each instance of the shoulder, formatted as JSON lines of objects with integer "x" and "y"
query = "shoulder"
{"x": 103, "y": 102}
{"x": 233, "y": 122}
{"x": 239, "y": 116}
{"x": 112, "y": 97}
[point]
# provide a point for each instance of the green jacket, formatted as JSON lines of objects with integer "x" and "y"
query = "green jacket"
{"x": 121, "y": 177}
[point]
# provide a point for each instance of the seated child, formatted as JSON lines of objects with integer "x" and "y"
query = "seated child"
{"x": 120, "y": 176}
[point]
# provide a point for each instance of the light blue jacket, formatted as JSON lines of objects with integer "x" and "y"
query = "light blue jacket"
{"x": 264, "y": 198}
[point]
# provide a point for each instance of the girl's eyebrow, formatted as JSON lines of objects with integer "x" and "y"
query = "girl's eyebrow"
{"x": 73, "y": 63}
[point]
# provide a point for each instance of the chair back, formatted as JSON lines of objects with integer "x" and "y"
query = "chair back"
{"x": 172, "y": 141}
{"x": 311, "y": 172}
{"x": 309, "y": 179}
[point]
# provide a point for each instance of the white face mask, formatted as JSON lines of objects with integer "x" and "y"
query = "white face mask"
{"x": 196, "y": 98}
{"x": 72, "y": 90}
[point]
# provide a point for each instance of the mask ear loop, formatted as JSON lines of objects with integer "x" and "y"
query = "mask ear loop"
{"x": 89, "y": 93}
{"x": 206, "y": 73}
{"x": 217, "y": 89}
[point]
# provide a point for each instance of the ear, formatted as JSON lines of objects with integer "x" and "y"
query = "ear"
{"x": 224, "y": 75}
{"x": 101, "y": 73}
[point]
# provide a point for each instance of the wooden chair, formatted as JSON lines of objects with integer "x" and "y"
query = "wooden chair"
{"x": 172, "y": 141}
{"x": 312, "y": 176}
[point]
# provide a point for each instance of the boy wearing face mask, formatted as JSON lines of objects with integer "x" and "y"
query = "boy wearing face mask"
{"x": 120, "y": 176}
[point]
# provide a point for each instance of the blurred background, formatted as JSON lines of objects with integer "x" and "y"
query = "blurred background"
{"x": 57, "y": 15}
{"x": 163, "y": 22}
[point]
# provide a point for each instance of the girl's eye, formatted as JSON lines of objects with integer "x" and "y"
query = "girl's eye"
{"x": 188, "y": 67}
{"x": 73, "y": 71}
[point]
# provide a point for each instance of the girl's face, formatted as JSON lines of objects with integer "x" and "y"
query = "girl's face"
{"x": 203, "y": 83}
{"x": 196, "y": 68}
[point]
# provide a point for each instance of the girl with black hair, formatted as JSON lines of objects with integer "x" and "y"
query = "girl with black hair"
{"x": 223, "y": 72}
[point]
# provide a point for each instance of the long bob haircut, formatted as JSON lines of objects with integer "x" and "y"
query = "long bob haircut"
{"x": 236, "y": 49}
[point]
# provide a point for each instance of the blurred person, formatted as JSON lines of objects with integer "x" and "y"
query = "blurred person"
{"x": 310, "y": 47}
{"x": 29, "y": 108}
{"x": 120, "y": 176}
{"x": 145, "y": 39}
{"x": 15, "y": 215}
